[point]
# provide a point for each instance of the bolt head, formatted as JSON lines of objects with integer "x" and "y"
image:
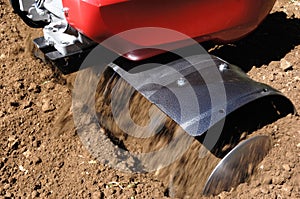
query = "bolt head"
{"x": 223, "y": 66}
{"x": 66, "y": 11}
{"x": 181, "y": 81}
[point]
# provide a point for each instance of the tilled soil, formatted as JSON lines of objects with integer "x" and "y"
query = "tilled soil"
{"x": 42, "y": 155}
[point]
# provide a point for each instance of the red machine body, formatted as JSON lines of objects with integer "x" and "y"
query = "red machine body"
{"x": 222, "y": 20}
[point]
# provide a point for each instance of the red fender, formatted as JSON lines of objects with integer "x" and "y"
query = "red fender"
{"x": 203, "y": 20}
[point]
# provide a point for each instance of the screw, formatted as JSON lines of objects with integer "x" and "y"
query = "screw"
{"x": 43, "y": 13}
{"x": 223, "y": 67}
{"x": 65, "y": 42}
{"x": 221, "y": 111}
{"x": 66, "y": 11}
{"x": 181, "y": 81}
{"x": 50, "y": 43}
{"x": 49, "y": 28}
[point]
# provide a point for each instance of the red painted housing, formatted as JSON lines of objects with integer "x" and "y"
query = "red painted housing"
{"x": 223, "y": 20}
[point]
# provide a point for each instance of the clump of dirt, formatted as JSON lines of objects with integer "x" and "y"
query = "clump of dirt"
{"x": 43, "y": 156}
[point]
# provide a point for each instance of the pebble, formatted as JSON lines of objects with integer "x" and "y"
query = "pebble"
{"x": 266, "y": 167}
{"x": 34, "y": 194}
{"x": 97, "y": 195}
{"x": 8, "y": 195}
{"x": 12, "y": 138}
{"x": 298, "y": 145}
{"x": 296, "y": 180}
{"x": 285, "y": 65}
{"x": 47, "y": 106}
{"x": 255, "y": 183}
{"x": 267, "y": 180}
{"x": 26, "y": 153}
{"x": 274, "y": 64}
{"x": 32, "y": 86}
{"x": 278, "y": 180}
{"x": 36, "y": 143}
{"x": 287, "y": 188}
{"x": 27, "y": 104}
{"x": 222, "y": 195}
{"x": 50, "y": 85}
{"x": 107, "y": 192}
{"x": 36, "y": 160}
{"x": 21, "y": 168}
{"x": 19, "y": 85}
{"x": 2, "y": 56}
{"x": 297, "y": 78}
{"x": 286, "y": 167}
{"x": 286, "y": 175}
{"x": 264, "y": 190}
{"x": 6, "y": 186}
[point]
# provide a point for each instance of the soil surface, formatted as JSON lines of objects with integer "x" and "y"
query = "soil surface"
{"x": 41, "y": 154}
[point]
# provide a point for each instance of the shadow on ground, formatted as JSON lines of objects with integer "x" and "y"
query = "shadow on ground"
{"x": 271, "y": 41}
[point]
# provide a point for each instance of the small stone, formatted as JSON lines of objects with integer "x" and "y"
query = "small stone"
{"x": 8, "y": 195}
{"x": 108, "y": 192}
{"x": 92, "y": 162}
{"x": 27, "y": 153}
{"x": 31, "y": 86}
{"x": 277, "y": 173}
{"x": 285, "y": 65}
{"x": 19, "y": 85}
{"x": 34, "y": 194}
{"x": 222, "y": 195}
{"x": 2, "y": 56}
{"x": 36, "y": 143}
{"x": 287, "y": 188}
{"x": 267, "y": 167}
{"x": 6, "y": 186}
{"x": 295, "y": 181}
{"x": 274, "y": 64}
{"x": 34, "y": 88}
{"x": 50, "y": 85}
{"x": 298, "y": 145}
{"x": 286, "y": 175}
{"x": 267, "y": 180}
{"x": 278, "y": 180}
{"x": 286, "y": 167}
{"x": 21, "y": 168}
{"x": 264, "y": 190}
{"x": 12, "y": 138}
{"x": 47, "y": 106}
{"x": 97, "y": 195}
{"x": 256, "y": 183}
{"x": 37, "y": 160}
{"x": 297, "y": 78}
{"x": 27, "y": 104}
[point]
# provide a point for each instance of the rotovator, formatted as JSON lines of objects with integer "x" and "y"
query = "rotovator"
{"x": 141, "y": 32}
